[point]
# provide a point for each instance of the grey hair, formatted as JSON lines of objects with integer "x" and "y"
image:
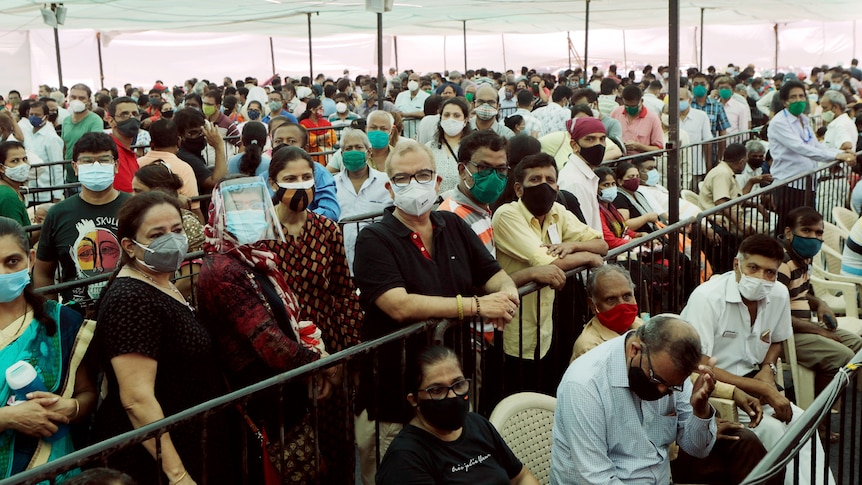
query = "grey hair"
{"x": 668, "y": 332}
{"x": 755, "y": 146}
{"x": 835, "y": 98}
{"x": 381, "y": 113}
{"x": 604, "y": 270}
{"x": 355, "y": 132}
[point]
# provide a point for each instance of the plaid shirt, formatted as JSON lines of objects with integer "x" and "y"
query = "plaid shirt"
{"x": 717, "y": 117}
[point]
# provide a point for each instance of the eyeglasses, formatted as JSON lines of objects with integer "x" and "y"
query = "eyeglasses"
{"x": 122, "y": 116}
{"x": 403, "y": 179}
{"x": 482, "y": 167}
{"x": 437, "y": 393}
{"x": 655, "y": 379}
{"x": 106, "y": 160}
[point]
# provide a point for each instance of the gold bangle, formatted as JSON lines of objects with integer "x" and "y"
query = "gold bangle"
{"x": 460, "y": 307}
{"x": 77, "y": 408}
{"x": 478, "y": 307}
{"x": 178, "y": 480}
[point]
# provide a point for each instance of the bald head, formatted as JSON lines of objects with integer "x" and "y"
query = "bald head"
{"x": 382, "y": 120}
{"x": 486, "y": 90}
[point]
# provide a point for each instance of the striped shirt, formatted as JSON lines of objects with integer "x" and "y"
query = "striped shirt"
{"x": 476, "y": 216}
{"x": 851, "y": 258}
{"x": 794, "y": 275}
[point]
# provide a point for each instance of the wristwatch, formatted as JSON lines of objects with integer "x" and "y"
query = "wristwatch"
{"x": 774, "y": 369}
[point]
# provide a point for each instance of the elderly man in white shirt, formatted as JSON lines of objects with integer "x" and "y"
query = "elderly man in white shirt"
{"x": 840, "y": 129}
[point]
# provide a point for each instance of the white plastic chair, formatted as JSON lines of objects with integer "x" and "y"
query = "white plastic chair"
{"x": 525, "y": 421}
{"x": 803, "y": 378}
{"x": 844, "y": 218}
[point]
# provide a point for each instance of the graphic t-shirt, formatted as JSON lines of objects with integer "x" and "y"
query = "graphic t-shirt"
{"x": 82, "y": 238}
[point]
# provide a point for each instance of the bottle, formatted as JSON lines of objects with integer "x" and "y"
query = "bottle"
{"x": 23, "y": 379}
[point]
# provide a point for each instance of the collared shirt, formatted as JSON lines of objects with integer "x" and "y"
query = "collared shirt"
{"x": 427, "y": 129}
{"x": 519, "y": 238}
{"x": 364, "y": 110}
{"x": 531, "y": 123}
{"x": 644, "y": 128}
{"x": 177, "y": 166}
{"x": 715, "y": 111}
{"x": 696, "y": 125}
{"x": 720, "y": 183}
{"x": 794, "y": 148}
{"x": 553, "y": 118}
{"x": 498, "y": 128}
{"x": 475, "y": 215}
{"x": 747, "y": 173}
{"x": 653, "y": 104}
{"x": 716, "y": 310}
{"x": 595, "y": 334}
{"x": 604, "y": 433}
{"x": 607, "y": 103}
{"x": 409, "y": 104}
{"x": 127, "y": 166}
{"x": 372, "y": 197}
{"x": 839, "y": 131}
{"x": 738, "y": 115}
{"x": 578, "y": 178}
{"x": 48, "y": 146}
{"x": 287, "y": 114}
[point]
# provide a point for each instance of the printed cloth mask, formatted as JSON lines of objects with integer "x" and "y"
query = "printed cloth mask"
{"x": 415, "y": 199}
{"x": 379, "y": 139}
{"x": 539, "y": 199}
{"x": 683, "y": 105}
{"x": 619, "y": 318}
{"x": 754, "y": 289}
{"x": 296, "y": 195}
{"x": 246, "y": 225}
{"x": 413, "y": 86}
{"x": 487, "y": 185}
{"x": 96, "y": 176}
{"x": 452, "y": 127}
{"x": 35, "y": 121}
{"x": 796, "y": 108}
{"x": 632, "y": 184}
{"x": 806, "y": 247}
{"x": 640, "y": 385}
{"x": 19, "y": 173}
{"x": 447, "y": 414}
{"x": 827, "y": 116}
{"x": 195, "y": 145}
{"x": 652, "y": 177}
{"x": 275, "y": 107}
{"x": 485, "y": 112}
{"x": 254, "y": 115}
{"x": 129, "y": 128}
{"x": 593, "y": 155}
{"x": 725, "y": 93}
{"x": 609, "y": 194}
{"x": 699, "y": 91}
{"x": 166, "y": 253}
{"x": 77, "y": 106}
{"x": 13, "y": 284}
{"x": 208, "y": 110}
{"x": 354, "y": 160}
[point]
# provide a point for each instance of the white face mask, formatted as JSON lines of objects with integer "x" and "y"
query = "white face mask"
{"x": 415, "y": 199}
{"x": 452, "y": 126}
{"x": 77, "y": 106}
{"x": 754, "y": 289}
{"x": 413, "y": 86}
{"x": 19, "y": 173}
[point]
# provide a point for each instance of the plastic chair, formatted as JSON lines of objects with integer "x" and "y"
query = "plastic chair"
{"x": 803, "y": 378}
{"x": 844, "y": 218}
{"x": 690, "y": 197}
{"x": 525, "y": 421}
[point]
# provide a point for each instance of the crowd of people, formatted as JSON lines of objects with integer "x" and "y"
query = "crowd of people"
{"x": 481, "y": 183}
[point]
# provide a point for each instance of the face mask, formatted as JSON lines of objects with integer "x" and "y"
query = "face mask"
{"x": 806, "y": 247}
{"x": 539, "y": 199}
{"x": 446, "y": 414}
{"x": 652, "y": 177}
{"x": 593, "y": 155}
{"x": 209, "y": 110}
{"x": 340, "y": 108}
{"x": 725, "y": 93}
{"x": 355, "y": 160}
{"x": 487, "y": 186}
{"x": 619, "y": 318}
{"x": 19, "y": 173}
{"x": 827, "y": 116}
{"x": 485, "y": 112}
{"x": 632, "y": 184}
{"x": 36, "y": 121}
{"x": 509, "y": 95}
{"x": 13, "y": 284}
{"x": 415, "y": 199}
{"x": 433, "y": 84}
{"x": 96, "y": 176}
{"x": 413, "y": 86}
{"x": 683, "y": 105}
{"x": 297, "y": 195}
{"x": 364, "y": 96}
{"x": 640, "y": 385}
{"x": 452, "y": 127}
{"x": 469, "y": 97}
{"x": 155, "y": 101}
{"x": 665, "y": 75}
{"x": 129, "y": 128}
{"x": 275, "y": 106}
{"x": 699, "y": 91}
{"x": 195, "y": 145}
{"x": 168, "y": 114}
{"x": 813, "y": 98}
{"x": 609, "y": 194}
{"x": 52, "y": 117}
{"x": 166, "y": 253}
{"x": 253, "y": 115}
{"x": 379, "y": 139}
{"x": 135, "y": 98}
{"x": 665, "y": 119}
{"x": 754, "y": 289}
{"x": 77, "y": 106}
{"x": 835, "y": 87}
{"x": 796, "y": 108}
{"x": 633, "y": 110}
{"x": 246, "y": 225}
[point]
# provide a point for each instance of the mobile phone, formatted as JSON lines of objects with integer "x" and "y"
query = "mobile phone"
{"x": 830, "y": 322}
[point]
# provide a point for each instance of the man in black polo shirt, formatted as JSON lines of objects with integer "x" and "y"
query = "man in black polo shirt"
{"x": 414, "y": 265}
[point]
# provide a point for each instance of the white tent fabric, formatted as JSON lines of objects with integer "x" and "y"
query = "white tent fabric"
{"x": 144, "y": 40}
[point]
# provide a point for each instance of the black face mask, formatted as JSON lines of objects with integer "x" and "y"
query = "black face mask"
{"x": 195, "y": 145}
{"x": 168, "y": 114}
{"x": 52, "y": 117}
{"x": 447, "y": 414}
{"x": 539, "y": 199}
{"x": 593, "y": 155}
{"x": 640, "y": 385}
{"x": 129, "y": 128}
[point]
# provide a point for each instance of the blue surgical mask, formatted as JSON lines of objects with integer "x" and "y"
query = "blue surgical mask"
{"x": 247, "y": 226}
{"x": 379, "y": 139}
{"x": 13, "y": 284}
{"x": 652, "y": 177}
{"x": 806, "y": 247}
{"x": 96, "y": 176}
{"x": 609, "y": 194}
{"x": 683, "y": 105}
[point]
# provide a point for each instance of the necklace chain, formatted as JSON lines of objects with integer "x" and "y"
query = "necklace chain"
{"x": 154, "y": 282}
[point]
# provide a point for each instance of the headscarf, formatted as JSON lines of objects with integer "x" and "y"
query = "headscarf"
{"x": 581, "y": 127}
{"x": 251, "y": 193}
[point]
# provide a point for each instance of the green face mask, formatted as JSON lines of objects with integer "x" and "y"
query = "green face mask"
{"x": 796, "y": 108}
{"x": 487, "y": 186}
{"x": 633, "y": 110}
{"x": 354, "y": 160}
{"x": 725, "y": 93}
{"x": 469, "y": 97}
{"x": 209, "y": 110}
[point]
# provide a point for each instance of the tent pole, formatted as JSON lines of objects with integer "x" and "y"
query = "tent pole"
{"x": 700, "y": 64}
{"x": 625, "y": 55}
{"x": 395, "y": 43}
{"x": 381, "y": 83}
{"x": 310, "y": 63}
{"x": 101, "y": 69}
{"x": 445, "y": 65}
{"x": 673, "y": 181}
{"x": 569, "y": 47}
{"x": 775, "y": 28}
{"x": 272, "y": 55}
{"x": 503, "y": 41}
{"x": 464, "y": 34}
{"x": 57, "y": 47}
{"x": 587, "y": 38}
